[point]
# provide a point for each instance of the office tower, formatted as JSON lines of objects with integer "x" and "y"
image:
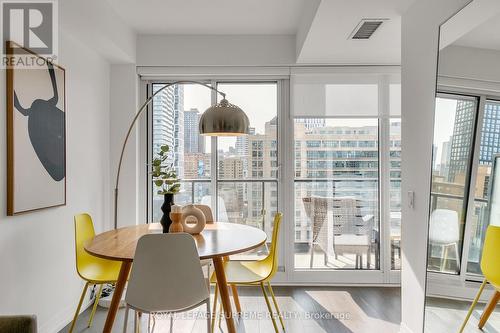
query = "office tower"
{"x": 168, "y": 123}
{"x": 193, "y": 141}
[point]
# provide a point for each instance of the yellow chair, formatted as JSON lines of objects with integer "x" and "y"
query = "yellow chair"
{"x": 490, "y": 266}
{"x": 259, "y": 272}
{"x": 92, "y": 269}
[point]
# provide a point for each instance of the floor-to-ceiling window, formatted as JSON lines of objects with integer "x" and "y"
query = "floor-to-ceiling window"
{"x": 347, "y": 178}
{"x": 466, "y": 138}
{"x": 455, "y": 119}
{"x": 240, "y": 181}
{"x": 343, "y": 168}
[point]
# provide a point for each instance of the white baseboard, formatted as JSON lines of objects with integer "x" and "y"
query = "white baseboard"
{"x": 404, "y": 329}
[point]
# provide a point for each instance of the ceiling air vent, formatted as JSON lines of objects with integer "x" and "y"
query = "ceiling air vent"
{"x": 366, "y": 28}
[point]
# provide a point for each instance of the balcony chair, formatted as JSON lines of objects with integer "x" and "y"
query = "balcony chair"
{"x": 92, "y": 269}
{"x": 490, "y": 266}
{"x": 257, "y": 272}
{"x": 444, "y": 232}
{"x": 352, "y": 232}
{"x": 166, "y": 278}
{"x": 317, "y": 211}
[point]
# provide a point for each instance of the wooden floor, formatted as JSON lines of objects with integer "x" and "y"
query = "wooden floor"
{"x": 306, "y": 310}
{"x": 444, "y": 315}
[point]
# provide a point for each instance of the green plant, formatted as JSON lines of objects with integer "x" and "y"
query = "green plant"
{"x": 164, "y": 176}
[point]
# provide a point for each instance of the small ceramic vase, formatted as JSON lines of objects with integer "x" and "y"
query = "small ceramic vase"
{"x": 176, "y": 216}
{"x": 190, "y": 213}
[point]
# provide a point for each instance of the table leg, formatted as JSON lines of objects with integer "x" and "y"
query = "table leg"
{"x": 224, "y": 293}
{"x": 117, "y": 295}
{"x": 234, "y": 291}
{"x": 489, "y": 309}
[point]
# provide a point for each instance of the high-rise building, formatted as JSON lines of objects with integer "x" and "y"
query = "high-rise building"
{"x": 490, "y": 134}
{"x": 337, "y": 161}
{"x": 168, "y": 123}
{"x": 193, "y": 141}
{"x": 462, "y": 138}
{"x": 310, "y": 123}
{"x": 444, "y": 167}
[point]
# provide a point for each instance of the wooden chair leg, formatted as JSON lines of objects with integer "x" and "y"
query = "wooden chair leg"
{"x": 77, "y": 312}
{"x": 489, "y": 309}
{"x": 214, "y": 311}
{"x": 236, "y": 298}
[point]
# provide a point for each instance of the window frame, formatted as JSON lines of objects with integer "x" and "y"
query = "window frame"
{"x": 286, "y": 273}
{"x": 464, "y": 284}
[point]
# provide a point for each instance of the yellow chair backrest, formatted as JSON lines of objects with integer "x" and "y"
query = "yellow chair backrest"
{"x": 271, "y": 261}
{"x": 84, "y": 231}
{"x": 490, "y": 259}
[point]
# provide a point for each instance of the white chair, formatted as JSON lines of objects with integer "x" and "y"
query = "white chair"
{"x": 207, "y": 211}
{"x": 166, "y": 277}
{"x": 444, "y": 232}
{"x": 221, "y": 211}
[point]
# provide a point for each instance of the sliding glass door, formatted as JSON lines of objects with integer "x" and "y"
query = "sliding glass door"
{"x": 347, "y": 177}
{"x": 336, "y": 176}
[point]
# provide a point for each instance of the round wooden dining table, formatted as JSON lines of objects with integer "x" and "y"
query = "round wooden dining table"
{"x": 216, "y": 242}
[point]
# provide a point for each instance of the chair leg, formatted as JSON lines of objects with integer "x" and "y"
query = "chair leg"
{"x": 171, "y": 322}
{"x": 94, "y": 308}
{"x": 458, "y": 256}
{"x": 476, "y": 299}
{"x": 209, "y": 322}
{"x": 276, "y": 305}
{"x": 135, "y": 321}
{"x": 77, "y": 312}
{"x": 488, "y": 310}
{"x": 214, "y": 311}
{"x": 125, "y": 321}
{"x": 312, "y": 256}
{"x": 444, "y": 257}
{"x": 208, "y": 276}
{"x": 269, "y": 307}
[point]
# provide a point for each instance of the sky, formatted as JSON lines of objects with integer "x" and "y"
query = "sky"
{"x": 444, "y": 120}
{"x": 258, "y": 100}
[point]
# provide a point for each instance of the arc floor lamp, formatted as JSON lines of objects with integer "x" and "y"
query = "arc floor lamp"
{"x": 220, "y": 119}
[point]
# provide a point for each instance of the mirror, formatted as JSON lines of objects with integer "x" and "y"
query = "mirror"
{"x": 463, "y": 190}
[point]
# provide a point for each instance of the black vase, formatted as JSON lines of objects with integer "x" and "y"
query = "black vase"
{"x": 166, "y": 208}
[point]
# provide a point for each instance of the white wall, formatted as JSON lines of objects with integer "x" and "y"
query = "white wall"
{"x": 124, "y": 98}
{"x": 418, "y": 75}
{"x": 37, "y": 256}
{"x": 470, "y": 63}
{"x": 215, "y": 50}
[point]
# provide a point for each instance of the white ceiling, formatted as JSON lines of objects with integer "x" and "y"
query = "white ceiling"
{"x": 322, "y": 27}
{"x": 485, "y": 36}
{"x": 327, "y": 41}
{"x": 211, "y": 17}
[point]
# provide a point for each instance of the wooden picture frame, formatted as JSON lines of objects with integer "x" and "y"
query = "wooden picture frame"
{"x": 36, "y": 131}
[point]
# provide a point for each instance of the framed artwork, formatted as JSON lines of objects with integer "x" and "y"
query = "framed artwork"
{"x": 36, "y": 132}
